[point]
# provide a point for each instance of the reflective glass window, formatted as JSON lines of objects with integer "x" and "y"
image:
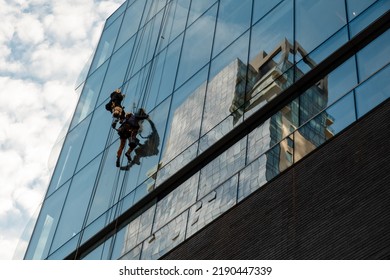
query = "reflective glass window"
{"x": 272, "y": 30}
{"x": 116, "y": 14}
{"x": 76, "y": 204}
{"x": 374, "y": 56}
{"x": 130, "y": 22}
{"x": 139, "y": 229}
{"x": 89, "y": 95}
{"x": 373, "y": 92}
{"x": 69, "y": 155}
{"x": 176, "y": 21}
{"x": 341, "y": 80}
{"x": 197, "y": 46}
{"x": 148, "y": 43}
{"x": 307, "y": 61}
{"x": 212, "y": 205}
{"x": 198, "y": 8}
{"x": 163, "y": 77}
{"x": 117, "y": 71}
{"x": 318, "y": 20}
{"x": 108, "y": 185}
{"x": 148, "y": 153}
{"x": 368, "y": 16}
{"x": 356, "y": 7}
{"x": 225, "y": 92}
{"x": 46, "y": 224}
{"x": 262, "y": 7}
{"x": 106, "y": 44}
{"x": 233, "y": 19}
{"x": 237, "y": 50}
{"x": 151, "y": 9}
{"x": 96, "y": 138}
{"x": 222, "y": 168}
{"x": 340, "y": 115}
{"x": 183, "y": 125}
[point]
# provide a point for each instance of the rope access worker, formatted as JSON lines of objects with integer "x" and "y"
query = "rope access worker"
{"x": 129, "y": 130}
{"x": 115, "y": 106}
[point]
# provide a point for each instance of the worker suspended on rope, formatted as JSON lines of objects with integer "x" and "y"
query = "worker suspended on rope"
{"x": 115, "y": 106}
{"x": 128, "y": 131}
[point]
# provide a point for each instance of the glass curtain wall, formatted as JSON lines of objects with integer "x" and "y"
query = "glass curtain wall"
{"x": 199, "y": 68}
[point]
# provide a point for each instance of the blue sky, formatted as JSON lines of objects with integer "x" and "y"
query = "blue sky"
{"x": 44, "y": 45}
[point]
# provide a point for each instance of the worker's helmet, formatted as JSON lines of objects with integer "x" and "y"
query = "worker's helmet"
{"x": 117, "y": 111}
{"x": 118, "y": 90}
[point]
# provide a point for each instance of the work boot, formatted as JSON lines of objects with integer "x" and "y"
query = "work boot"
{"x": 128, "y": 156}
{"x": 117, "y": 162}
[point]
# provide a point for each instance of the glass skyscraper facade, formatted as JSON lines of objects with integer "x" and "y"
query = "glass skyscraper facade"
{"x": 236, "y": 91}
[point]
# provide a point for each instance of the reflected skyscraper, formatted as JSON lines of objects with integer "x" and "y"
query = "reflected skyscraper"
{"x": 251, "y": 148}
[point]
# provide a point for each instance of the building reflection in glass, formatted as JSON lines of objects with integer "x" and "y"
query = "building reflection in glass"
{"x": 272, "y": 147}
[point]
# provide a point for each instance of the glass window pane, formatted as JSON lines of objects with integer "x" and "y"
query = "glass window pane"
{"x": 106, "y": 44}
{"x": 355, "y": 7}
{"x": 374, "y": 56}
{"x": 198, "y": 8}
{"x": 318, "y": 20}
{"x": 69, "y": 155}
{"x": 340, "y": 115}
{"x": 115, "y": 15}
{"x": 237, "y": 50}
{"x": 89, "y": 95}
{"x": 262, "y": 7}
{"x": 130, "y": 22}
{"x": 233, "y": 19}
{"x": 146, "y": 41}
{"x": 117, "y": 71}
{"x": 76, "y": 204}
{"x": 46, "y": 224}
{"x": 225, "y": 92}
{"x": 108, "y": 186}
{"x": 162, "y": 81}
{"x": 197, "y": 46}
{"x": 185, "y": 116}
{"x": 272, "y": 30}
{"x": 368, "y": 16}
{"x": 341, "y": 80}
{"x": 96, "y": 138}
{"x": 373, "y": 92}
{"x": 147, "y": 154}
{"x": 176, "y": 21}
{"x": 223, "y": 167}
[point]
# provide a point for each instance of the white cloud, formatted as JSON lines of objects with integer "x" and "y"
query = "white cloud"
{"x": 44, "y": 45}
